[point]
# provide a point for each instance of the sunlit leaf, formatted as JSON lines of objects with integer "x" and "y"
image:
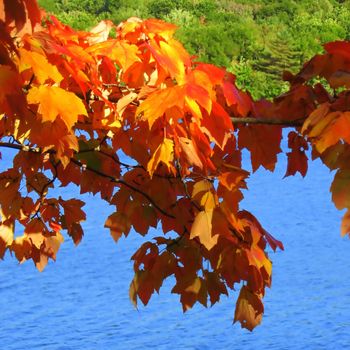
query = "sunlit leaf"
{"x": 55, "y": 102}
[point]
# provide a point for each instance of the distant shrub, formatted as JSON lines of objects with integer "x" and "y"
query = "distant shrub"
{"x": 161, "y": 8}
{"x": 180, "y": 17}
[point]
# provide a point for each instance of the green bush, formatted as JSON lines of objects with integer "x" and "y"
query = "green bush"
{"x": 182, "y": 18}
{"x": 93, "y": 7}
{"x": 161, "y": 8}
{"x": 78, "y": 19}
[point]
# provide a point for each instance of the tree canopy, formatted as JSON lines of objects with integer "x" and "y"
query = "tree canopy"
{"x": 124, "y": 112}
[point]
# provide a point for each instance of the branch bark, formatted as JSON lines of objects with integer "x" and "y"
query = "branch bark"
{"x": 283, "y": 123}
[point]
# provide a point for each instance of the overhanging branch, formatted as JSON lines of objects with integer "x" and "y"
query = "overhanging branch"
{"x": 283, "y": 123}
{"x": 97, "y": 172}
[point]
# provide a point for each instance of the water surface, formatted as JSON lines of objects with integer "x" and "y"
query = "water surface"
{"x": 81, "y": 301}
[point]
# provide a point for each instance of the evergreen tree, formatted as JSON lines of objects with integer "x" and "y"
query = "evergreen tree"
{"x": 279, "y": 54}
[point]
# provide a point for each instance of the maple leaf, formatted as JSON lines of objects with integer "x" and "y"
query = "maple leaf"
{"x": 165, "y": 154}
{"x": 273, "y": 242}
{"x": 215, "y": 286}
{"x": 155, "y": 105}
{"x": 338, "y": 47}
{"x": 249, "y": 309}
{"x": 340, "y": 189}
{"x": 141, "y": 286}
{"x": 202, "y": 228}
{"x": 14, "y": 11}
{"x": 155, "y": 26}
{"x": 218, "y": 125}
{"x": 55, "y": 102}
{"x": 33, "y": 12}
{"x": 125, "y": 101}
{"x": 345, "y": 224}
{"x": 118, "y": 223}
{"x": 171, "y": 57}
{"x": 34, "y": 230}
{"x": 10, "y": 83}
{"x": 122, "y": 52}
{"x": 42, "y": 69}
{"x": 265, "y": 147}
{"x": 190, "y": 152}
{"x": 191, "y": 289}
{"x": 297, "y": 159}
{"x": 76, "y": 232}
{"x": 72, "y": 211}
{"x": 22, "y": 247}
{"x": 100, "y": 32}
{"x": 72, "y": 103}
{"x": 297, "y": 162}
{"x": 203, "y": 193}
{"x": 239, "y": 99}
{"x": 337, "y": 129}
{"x": 233, "y": 179}
{"x": 6, "y": 236}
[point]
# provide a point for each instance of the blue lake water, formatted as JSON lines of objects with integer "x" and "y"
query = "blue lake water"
{"x": 81, "y": 301}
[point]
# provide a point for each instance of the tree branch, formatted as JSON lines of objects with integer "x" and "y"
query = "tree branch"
{"x": 124, "y": 183}
{"x": 100, "y": 173}
{"x": 283, "y": 123}
{"x": 20, "y": 147}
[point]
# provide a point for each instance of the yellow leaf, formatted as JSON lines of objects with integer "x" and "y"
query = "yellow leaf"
{"x": 192, "y": 105}
{"x": 164, "y": 153}
{"x": 55, "y": 102}
{"x": 202, "y": 228}
{"x": 336, "y": 129}
{"x": 100, "y": 32}
{"x": 124, "y": 102}
{"x": 53, "y": 243}
{"x": 249, "y": 309}
{"x": 317, "y": 116}
{"x": 121, "y": 51}
{"x": 201, "y": 186}
{"x": 203, "y": 193}
{"x": 22, "y": 247}
{"x": 41, "y": 67}
{"x": 6, "y": 236}
{"x": 156, "y": 104}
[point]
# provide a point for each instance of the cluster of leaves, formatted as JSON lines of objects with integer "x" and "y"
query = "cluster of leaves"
{"x": 135, "y": 119}
{"x": 240, "y": 35}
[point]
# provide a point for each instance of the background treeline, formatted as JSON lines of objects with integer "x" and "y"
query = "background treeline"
{"x": 256, "y": 39}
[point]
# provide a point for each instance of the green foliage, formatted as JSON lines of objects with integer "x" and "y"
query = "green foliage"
{"x": 78, "y": 19}
{"x": 278, "y": 55}
{"x": 93, "y": 7}
{"x": 182, "y": 18}
{"x": 256, "y": 82}
{"x": 282, "y": 9}
{"x": 160, "y": 8}
{"x": 261, "y": 37}
{"x": 49, "y": 5}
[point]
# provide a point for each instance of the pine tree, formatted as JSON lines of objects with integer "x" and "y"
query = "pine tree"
{"x": 279, "y": 54}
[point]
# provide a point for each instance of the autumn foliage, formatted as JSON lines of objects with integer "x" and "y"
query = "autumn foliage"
{"x": 125, "y": 113}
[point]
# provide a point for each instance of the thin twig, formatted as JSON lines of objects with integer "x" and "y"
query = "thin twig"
{"x": 124, "y": 183}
